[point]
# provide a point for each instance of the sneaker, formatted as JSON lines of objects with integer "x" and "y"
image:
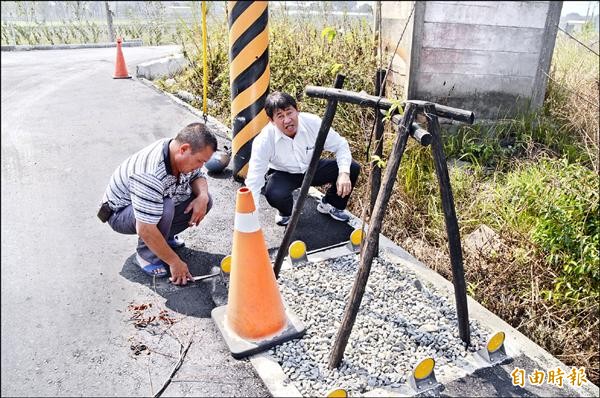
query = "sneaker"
{"x": 282, "y": 220}
{"x": 335, "y": 213}
{"x": 176, "y": 242}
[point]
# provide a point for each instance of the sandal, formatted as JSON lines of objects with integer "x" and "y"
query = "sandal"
{"x": 157, "y": 269}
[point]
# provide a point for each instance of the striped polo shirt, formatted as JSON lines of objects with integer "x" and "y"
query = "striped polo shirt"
{"x": 144, "y": 179}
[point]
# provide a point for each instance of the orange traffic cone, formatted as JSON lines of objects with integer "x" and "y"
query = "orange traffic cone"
{"x": 120, "y": 67}
{"x": 255, "y": 318}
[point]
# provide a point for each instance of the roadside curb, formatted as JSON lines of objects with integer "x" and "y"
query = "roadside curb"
{"x": 27, "y": 47}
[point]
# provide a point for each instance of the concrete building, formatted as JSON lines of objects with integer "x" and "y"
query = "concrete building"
{"x": 489, "y": 57}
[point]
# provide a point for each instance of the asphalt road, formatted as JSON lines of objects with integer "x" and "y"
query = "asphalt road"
{"x": 68, "y": 282}
{"x": 67, "y": 279}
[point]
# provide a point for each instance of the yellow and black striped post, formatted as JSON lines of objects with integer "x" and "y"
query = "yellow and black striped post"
{"x": 249, "y": 76}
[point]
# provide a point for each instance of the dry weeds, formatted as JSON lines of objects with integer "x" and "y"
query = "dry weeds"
{"x": 513, "y": 293}
{"x": 573, "y": 93}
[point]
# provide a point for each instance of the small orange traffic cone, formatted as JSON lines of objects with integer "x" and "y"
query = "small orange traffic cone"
{"x": 255, "y": 318}
{"x": 120, "y": 67}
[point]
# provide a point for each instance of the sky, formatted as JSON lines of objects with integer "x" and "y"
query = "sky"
{"x": 580, "y": 7}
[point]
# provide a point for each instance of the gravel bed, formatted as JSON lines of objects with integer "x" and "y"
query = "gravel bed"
{"x": 400, "y": 322}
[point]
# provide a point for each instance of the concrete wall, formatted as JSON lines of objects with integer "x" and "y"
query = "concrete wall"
{"x": 489, "y": 57}
{"x": 395, "y": 15}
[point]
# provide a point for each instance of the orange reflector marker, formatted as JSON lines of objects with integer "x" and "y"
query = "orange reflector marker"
{"x": 494, "y": 351}
{"x": 226, "y": 264}
{"x": 424, "y": 368}
{"x": 337, "y": 393}
{"x": 356, "y": 238}
{"x": 496, "y": 342}
{"x": 297, "y": 252}
{"x": 422, "y": 377}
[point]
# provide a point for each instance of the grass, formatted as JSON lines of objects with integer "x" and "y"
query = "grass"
{"x": 152, "y": 32}
{"x": 289, "y": 72}
{"x": 72, "y": 32}
{"x": 572, "y": 97}
{"x": 79, "y": 25}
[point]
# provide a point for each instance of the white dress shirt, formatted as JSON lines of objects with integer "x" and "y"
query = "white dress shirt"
{"x": 273, "y": 149}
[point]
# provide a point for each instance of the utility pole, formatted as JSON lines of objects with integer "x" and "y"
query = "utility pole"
{"x": 587, "y": 13}
{"x": 109, "y": 20}
{"x": 376, "y": 27}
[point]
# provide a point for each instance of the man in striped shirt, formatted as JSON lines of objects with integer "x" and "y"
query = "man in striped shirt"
{"x": 157, "y": 193}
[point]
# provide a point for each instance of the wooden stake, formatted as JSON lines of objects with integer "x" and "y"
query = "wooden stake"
{"x": 364, "y": 269}
{"x": 375, "y": 176}
{"x": 458, "y": 273}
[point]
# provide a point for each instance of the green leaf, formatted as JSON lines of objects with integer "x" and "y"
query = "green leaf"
{"x": 378, "y": 161}
{"x": 395, "y": 108}
{"x": 328, "y": 33}
{"x": 335, "y": 68}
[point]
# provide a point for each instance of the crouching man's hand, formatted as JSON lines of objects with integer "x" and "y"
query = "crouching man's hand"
{"x": 150, "y": 234}
{"x": 343, "y": 184}
{"x": 198, "y": 208}
{"x": 180, "y": 274}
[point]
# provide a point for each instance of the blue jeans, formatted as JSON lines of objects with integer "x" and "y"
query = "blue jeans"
{"x": 172, "y": 222}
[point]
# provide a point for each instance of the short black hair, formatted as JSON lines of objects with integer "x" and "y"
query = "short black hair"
{"x": 198, "y": 136}
{"x": 278, "y": 100}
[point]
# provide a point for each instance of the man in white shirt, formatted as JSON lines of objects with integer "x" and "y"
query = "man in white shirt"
{"x": 283, "y": 151}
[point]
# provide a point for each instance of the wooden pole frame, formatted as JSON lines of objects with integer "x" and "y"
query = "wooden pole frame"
{"x": 452, "y": 230}
{"x": 406, "y": 128}
{"x": 373, "y": 101}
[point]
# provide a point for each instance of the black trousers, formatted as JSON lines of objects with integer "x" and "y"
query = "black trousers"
{"x": 280, "y": 185}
